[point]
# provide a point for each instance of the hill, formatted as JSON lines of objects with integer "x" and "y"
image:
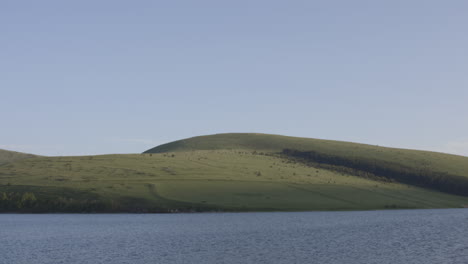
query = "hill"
{"x": 452, "y": 164}
{"x": 10, "y": 156}
{"x": 439, "y": 171}
{"x": 227, "y": 172}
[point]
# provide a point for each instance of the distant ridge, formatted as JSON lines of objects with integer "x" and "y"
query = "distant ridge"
{"x": 10, "y": 156}
{"x": 247, "y": 141}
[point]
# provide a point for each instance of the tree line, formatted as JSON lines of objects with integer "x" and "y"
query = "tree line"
{"x": 440, "y": 181}
{"x": 28, "y": 202}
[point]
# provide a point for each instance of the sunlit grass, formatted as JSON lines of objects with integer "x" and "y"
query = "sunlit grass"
{"x": 216, "y": 180}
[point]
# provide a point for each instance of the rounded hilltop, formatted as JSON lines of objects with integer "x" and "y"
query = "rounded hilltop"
{"x": 277, "y": 143}
{"x": 247, "y": 141}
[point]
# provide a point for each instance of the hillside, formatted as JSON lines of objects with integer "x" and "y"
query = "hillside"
{"x": 452, "y": 164}
{"x": 226, "y": 172}
{"x": 438, "y": 171}
{"x": 10, "y": 156}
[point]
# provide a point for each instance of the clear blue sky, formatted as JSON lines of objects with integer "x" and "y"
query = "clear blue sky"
{"x": 94, "y": 77}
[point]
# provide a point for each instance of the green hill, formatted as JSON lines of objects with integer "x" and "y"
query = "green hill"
{"x": 10, "y": 156}
{"x": 452, "y": 164}
{"x": 439, "y": 171}
{"x": 235, "y": 172}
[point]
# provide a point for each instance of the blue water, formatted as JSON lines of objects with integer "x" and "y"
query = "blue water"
{"x": 400, "y": 236}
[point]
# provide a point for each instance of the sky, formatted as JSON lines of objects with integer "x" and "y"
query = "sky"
{"x": 96, "y": 77}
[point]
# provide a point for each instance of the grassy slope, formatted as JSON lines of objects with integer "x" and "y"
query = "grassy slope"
{"x": 452, "y": 164}
{"x": 211, "y": 180}
{"x": 221, "y": 172}
{"x": 10, "y": 156}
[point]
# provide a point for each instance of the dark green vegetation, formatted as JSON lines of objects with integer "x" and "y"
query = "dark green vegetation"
{"x": 392, "y": 171}
{"x": 237, "y": 172}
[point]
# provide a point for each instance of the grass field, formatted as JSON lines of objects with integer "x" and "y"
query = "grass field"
{"x": 423, "y": 160}
{"x": 431, "y": 170}
{"x": 200, "y": 180}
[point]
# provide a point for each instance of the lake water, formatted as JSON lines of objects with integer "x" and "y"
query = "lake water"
{"x": 400, "y": 236}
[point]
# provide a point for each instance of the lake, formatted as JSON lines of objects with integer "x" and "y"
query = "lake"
{"x": 394, "y": 236}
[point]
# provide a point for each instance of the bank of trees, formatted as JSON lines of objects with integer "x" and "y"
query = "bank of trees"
{"x": 27, "y": 202}
{"x": 422, "y": 177}
{"x": 15, "y": 201}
